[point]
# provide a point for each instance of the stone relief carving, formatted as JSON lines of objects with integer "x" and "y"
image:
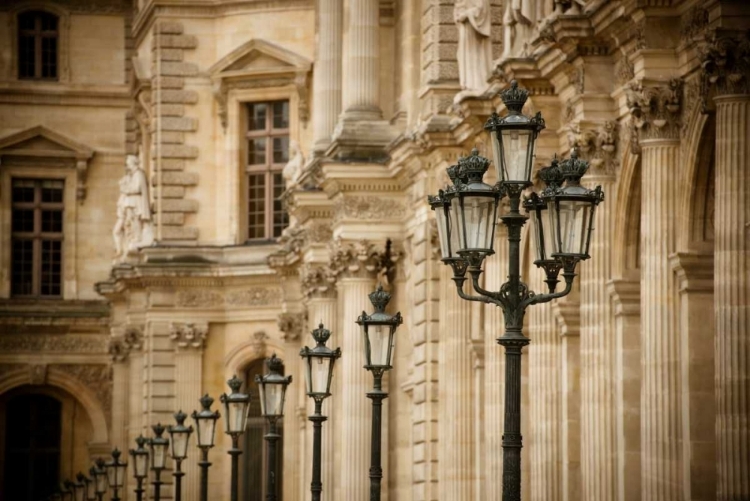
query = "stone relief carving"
{"x": 292, "y": 324}
{"x": 189, "y": 335}
{"x": 258, "y": 342}
{"x": 203, "y": 298}
{"x": 362, "y": 258}
{"x": 598, "y": 145}
{"x": 96, "y": 377}
{"x": 293, "y": 168}
{"x": 38, "y": 374}
{"x": 316, "y": 280}
{"x": 51, "y": 343}
{"x": 133, "y": 228}
{"x": 693, "y": 23}
{"x": 120, "y": 345}
{"x": 624, "y": 70}
{"x": 655, "y": 111}
{"x": 726, "y": 64}
{"x": 368, "y": 208}
{"x": 474, "y": 43}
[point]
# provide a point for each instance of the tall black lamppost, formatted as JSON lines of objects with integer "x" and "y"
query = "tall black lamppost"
{"x": 205, "y": 424}
{"x": 180, "y": 436}
{"x": 318, "y": 375}
{"x": 91, "y": 494}
{"x": 378, "y": 330}
{"x": 563, "y": 223}
{"x": 159, "y": 447}
{"x": 100, "y": 478}
{"x": 140, "y": 465}
{"x": 236, "y": 406}
{"x": 116, "y": 474}
{"x": 272, "y": 389}
{"x": 67, "y": 490}
{"x": 79, "y": 487}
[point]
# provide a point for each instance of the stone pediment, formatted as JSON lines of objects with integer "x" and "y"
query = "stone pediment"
{"x": 42, "y": 147}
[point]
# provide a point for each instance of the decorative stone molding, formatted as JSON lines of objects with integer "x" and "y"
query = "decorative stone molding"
{"x": 362, "y": 258}
{"x": 367, "y": 208}
{"x": 68, "y": 343}
{"x": 598, "y": 145}
{"x": 189, "y": 335}
{"x": 37, "y": 374}
{"x": 120, "y": 345}
{"x": 693, "y": 23}
{"x": 292, "y": 324}
{"x": 624, "y": 70}
{"x": 654, "y": 110}
{"x": 576, "y": 78}
{"x": 207, "y": 298}
{"x": 316, "y": 281}
{"x": 259, "y": 342}
{"x": 96, "y": 377}
{"x": 726, "y": 63}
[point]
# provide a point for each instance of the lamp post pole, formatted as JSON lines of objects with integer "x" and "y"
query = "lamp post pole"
{"x": 317, "y": 419}
{"x": 271, "y": 437}
{"x": 377, "y": 395}
{"x": 235, "y": 452}
{"x": 204, "y": 464}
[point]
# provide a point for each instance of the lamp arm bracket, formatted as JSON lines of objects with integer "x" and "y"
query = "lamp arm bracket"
{"x": 546, "y": 298}
{"x": 463, "y": 295}
{"x": 492, "y": 297}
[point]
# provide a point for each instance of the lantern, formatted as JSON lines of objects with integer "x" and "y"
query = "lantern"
{"x": 140, "y": 458}
{"x": 319, "y": 364}
{"x": 205, "y": 423}
{"x": 180, "y": 436}
{"x": 379, "y": 330}
{"x": 159, "y": 448}
{"x": 272, "y": 388}
{"x": 236, "y": 406}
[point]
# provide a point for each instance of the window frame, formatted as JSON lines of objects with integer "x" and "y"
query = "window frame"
{"x": 38, "y": 34}
{"x": 11, "y": 71}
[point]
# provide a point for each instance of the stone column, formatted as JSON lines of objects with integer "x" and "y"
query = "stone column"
{"x": 725, "y": 66}
{"x": 654, "y": 112}
{"x": 457, "y": 420}
{"x": 361, "y": 60}
{"x": 327, "y": 74}
{"x": 189, "y": 340}
{"x": 597, "y": 341}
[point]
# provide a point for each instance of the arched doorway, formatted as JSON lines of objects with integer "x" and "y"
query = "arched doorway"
{"x": 32, "y": 425}
{"x": 255, "y": 451}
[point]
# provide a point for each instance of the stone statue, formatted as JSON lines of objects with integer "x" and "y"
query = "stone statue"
{"x": 293, "y": 168}
{"x": 134, "y": 227}
{"x": 474, "y": 43}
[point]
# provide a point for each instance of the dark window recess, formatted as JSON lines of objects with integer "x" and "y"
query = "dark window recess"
{"x": 38, "y": 36}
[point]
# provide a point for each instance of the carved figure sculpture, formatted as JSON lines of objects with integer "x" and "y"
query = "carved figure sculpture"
{"x": 134, "y": 227}
{"x": 293, "y": 168}
{"x": 474, "y": 43}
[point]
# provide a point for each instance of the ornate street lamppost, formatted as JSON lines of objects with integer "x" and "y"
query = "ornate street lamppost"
{"x": 563, "y": 218}
{"x": 236, "y": 406}
{"x": 205, "y": 424}
{"x": 272, "y": 389}
{"x": 79, "y": 487}
{"x": 140, "y": 465}
{"x": 67, "y": 490}
{"x": 100, "y": 478}
{"x": 159, "y": 447}
{"x": 318, "y": 375}
{"x": 116, "y": 474}
{"x": 378, "y": 330}
{"x": 91, "y": 485}
{"x": 180, "y": 436}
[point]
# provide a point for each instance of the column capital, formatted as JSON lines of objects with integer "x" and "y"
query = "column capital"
{"x": 596, "y": 143}
{"x": 654, "y": 110}
{"x": 292, "y": 324}
{"x": 125, "y": 339}
{"x": 363, "y": 259}
{"x": 626, "y": 296}
{"x": 188, "y": 335}
{"x": 695, "y": 271}
{"x": 724, "y": 61}
{"x": 317, "y": 281}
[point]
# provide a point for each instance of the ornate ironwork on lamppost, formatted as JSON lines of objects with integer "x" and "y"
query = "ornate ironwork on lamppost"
{"x": 140, "y": 465}
{"x": 116, "y": 474}
{"x": 272, "y": 388}
{"x": 180, "y": 436}
{"x": 319, "y": 363}
{"x": 100, "y": 478}
{"x": 236, "y": 406}
{"x": 563, "y": 218}
{"x": 378, "y": 329}
{"x": 205, "y": 425}
{"x": 159, "y": 447}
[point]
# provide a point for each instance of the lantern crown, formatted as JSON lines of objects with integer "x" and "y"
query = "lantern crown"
{"x": 206, "y": 402}
{"x": 573, "y": 168}
{"x": 116, "y": 454}
{"x": 321, "y": 335}
{"x": 514, "y": 97}
{"x": 92, "y": 471}
{"x": 80, "y": 477}
{"x": 100, "y": 463}
{"x": 379, "y": 299}
{"x": 158, "y": 430}
{"x": 473, "y": 167}
{"x": 274, "y": 364}
{"x": 455, "y": 175}
{"x": 552, "y": 176}
{"x": 180, "y": 417}
{"x": 141, "y": 441}
{"x": 235, "y": 384}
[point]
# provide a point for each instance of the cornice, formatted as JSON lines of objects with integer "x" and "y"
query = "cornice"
{"x": 111, "y": 96}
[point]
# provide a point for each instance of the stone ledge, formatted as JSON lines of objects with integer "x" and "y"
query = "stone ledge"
{"x": 179, "y": 96}
{"x": 180, "y": 178}
{"x": 178, "y": 42}
{"x": 177, "y": 205}
{"x": 172, "y": 192}
{"x": 179, "y": 233}
{"x": 172, "y": 110}
{"x": 178, "y": 151}
{"x": 182, "y": 124}
{"x": 179, "y": 69}
{"x": 170, "y": 28}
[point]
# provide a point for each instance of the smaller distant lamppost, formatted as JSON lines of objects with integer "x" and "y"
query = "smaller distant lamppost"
{"x": 100, "y": 479}
{"x": 205, "y": 424}
{"x": 140, "y": 465}
{"x": 272, "y": 389}
{"x": 91, "y": 485}
{"x": 236, "y": 406}
{"x": 58, "y": 494}
{"x": 318, "y": 375}
{"x": 67, "y": 490}
{"x": 159, "y": 448}
{"x": 79, "y": 487}
{"x": 180, "y": 435}
{"x": 116, "y": 474}
{"x": 378, "y": 330}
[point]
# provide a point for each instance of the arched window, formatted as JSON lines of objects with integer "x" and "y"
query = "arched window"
{"x": 38, "y": 35}
{"x": 33, "y": 427}
{"x": 255, "y": 450}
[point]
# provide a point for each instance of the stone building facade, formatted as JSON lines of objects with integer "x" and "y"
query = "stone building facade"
{"x": 635, "y": 387}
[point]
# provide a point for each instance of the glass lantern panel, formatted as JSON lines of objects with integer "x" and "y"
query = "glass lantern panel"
{"x": 206, "y": 429}
{"x": 101, "y": 483}
{"x": 159, "y": 455}
{"x": 272, "y": 399}
{"x": 111, "y": 476}
{"x": 120, "y": 475}
{"x": 497, "y": 156}
{"x": 479, "y": 219}
{"x": 379, "y": 340}
{"x": 516, "y": 146}
{"x": 543, "y": 236}
{"x": 140, "y": 465}
{"x": 320, "y": 369}
{"x": 443, "y": 221}
{"x": 570, "y": 220}
{"x": 236, "y": 416}
{"x": 80, "y": 492}
{"x": 91, "y": 490}
{"x": 179, "y": 445}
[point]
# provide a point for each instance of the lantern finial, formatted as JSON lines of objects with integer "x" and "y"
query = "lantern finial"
{"x": 473, "y": 167}
{"x": 116, "y": 453}
{"x": 552, "y": 176}
{"x": 180, "y": 417}
{"x": 274, "y": 364}
{"x": 206, "y": 402}
{"x": 379, "y": 299}
{"x": 235, "y": 384}
{"x": 514, "y": 98}
{"x": 141, "y": 441}
{"x": 573, "y": 168}
{"x": 158, "y": 430}
{"x": 321, "y": 335}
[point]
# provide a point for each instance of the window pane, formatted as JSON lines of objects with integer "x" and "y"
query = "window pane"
{"x": 23, "y": 190}
{"x": 280, "y": 217}
{"x": 51, "y": 267}
{"x": 22, "y": 268}
{"x": 257, "y": 116}
{"x": 23, "y": 221}
{"x": 281, "y": 115}
{"x": 49, "y": 57}
{"x": 49, "y": 22}
{"x": 256, "y": 210}
{"x": 52, "y": 221}
{"x": 26, "y": 21}
{"x": 280, "y": 150}
{"x": 25, "y": 56}
{"x": 52, "y": 191}
{"x": 256, "y": 151}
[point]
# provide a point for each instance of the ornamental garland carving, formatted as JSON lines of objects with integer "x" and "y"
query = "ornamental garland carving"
{"x": 50, "y": 343}
{"x": 368, "y": 208}
{"x": 120, "y": 345}
{"x": 598, "y": 146}
{"x": 655, "y": 111}
{"x": 726, "y": 63}
{"x": 292, "y": 324}
{"x": 316, "y": 280}
{"x": 189, "y": 335}
{"x": 202, "y": 298}
{"x": 362, "y": 258}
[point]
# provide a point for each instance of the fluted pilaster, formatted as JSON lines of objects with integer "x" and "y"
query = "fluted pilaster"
{"x": 327, "y": 75}
{"x": 661, "y": 421}
{"x": 597, "y": 352}
{"x": 361, "y": 60}
{"x": 456, "y": 424}
{"x": 732, "y": 295}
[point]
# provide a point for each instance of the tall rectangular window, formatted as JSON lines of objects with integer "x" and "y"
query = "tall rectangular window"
{"x": 36, "y": 237}
{"x": 37, "y": 45}
{"x": 267, "y": 154}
